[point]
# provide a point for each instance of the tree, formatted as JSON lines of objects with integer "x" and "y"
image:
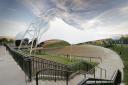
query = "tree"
{"x": 3, "y": 40}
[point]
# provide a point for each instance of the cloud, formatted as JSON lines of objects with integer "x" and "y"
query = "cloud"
{"x": 11, "y": 28}
{"x": 113, "y": 22}
{"x": 115, "y": 19}
{"x": 38, "y": 6}
{"x": 101, "y": 16}
{"x": 74, "y": 6}
{"x": 75, "y": 12}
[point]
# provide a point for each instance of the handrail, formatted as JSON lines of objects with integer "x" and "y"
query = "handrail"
{"x": 101, "y": 70}
{"x": 92, "y": 57}
{"x": 115, "y": 79}
{"x": 114, "y": 73}
{"x": 53, "y": 69}
{"x": 67, "y": 74}
{"x": 92, "y": 79}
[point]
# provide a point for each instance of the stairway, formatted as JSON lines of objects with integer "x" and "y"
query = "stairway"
{"x": 73, "y": 81}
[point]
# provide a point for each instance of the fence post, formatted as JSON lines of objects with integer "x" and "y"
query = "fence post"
{"x": 94, "y": 75}
{"x": 101, "y": 60}
{"x": 55, "y": 71}
{"x": 105, "y": 73}
{"x": 85, "y": 76}
{"x": 30, "y": 69}
{"x": 101, "y": 73}
{"x": 67, "y": 78}
{"x": 87, "y": 67}
{"x": 37, "y": 78}
{"x": 94, "y": 72}
{"x": 90, "y": 59}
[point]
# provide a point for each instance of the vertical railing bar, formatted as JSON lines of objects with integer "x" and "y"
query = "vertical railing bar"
{"x": 94, "y": 75}
{"x": 33, "y": 67}
{"x": 36, "y": 78}
{"x": 36, "y": 65}
{"x": 67, "y": 78}
{"x": 41, "y": 68}
{"x": 101, "y": 73}
{"x": 105, "y": 73}
{"x": 90, "y": 59}
{"x": 39, "y": 65}
{"x": 29, "y": 63}
{"x": 55, "y": 74}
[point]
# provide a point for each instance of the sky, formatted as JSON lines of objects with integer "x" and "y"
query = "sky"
{"x": 99, "y": 16}
{"x": 14, "y": 17}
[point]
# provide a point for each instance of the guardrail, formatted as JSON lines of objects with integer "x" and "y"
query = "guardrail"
{"x": 91, "y": 59}
{"x": 23, "y": 61}
{"x": 40, "y": 63}
{"x": 102, "y": 73}
{"x": 31, "y": 64}
{"x": 55, "y": 73}
{"x": 96, "y": 82}
{"x": 115, "y": 80}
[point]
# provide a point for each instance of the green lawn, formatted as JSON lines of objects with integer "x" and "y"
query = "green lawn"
{"x": 59, "y": 59}
{"x": 74, "y": 64}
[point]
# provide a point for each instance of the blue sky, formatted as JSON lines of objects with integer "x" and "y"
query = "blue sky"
{"x": 14, "y": 10}
{"x": 14, "y": 17}
{"x": 103, "y": 15}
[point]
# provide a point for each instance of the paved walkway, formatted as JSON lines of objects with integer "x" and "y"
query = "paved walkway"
{"x": 111, "y": 61}
{"x": 10, "y": 72}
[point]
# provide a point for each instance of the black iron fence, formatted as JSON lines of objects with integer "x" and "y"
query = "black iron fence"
{"x": 54, "y": 75}
{"x": 32, "y": 65}
{"x": 40, "y": 68}
{"x": 40, "y": 63}
{"x": 102, "y": 72}
{"x": 23, "y": 61}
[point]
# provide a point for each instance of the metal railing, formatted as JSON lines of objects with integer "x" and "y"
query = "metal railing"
{"x": 54, "y": 74}
{"x": 96, "y": 82}
{"x": 40, "y": 63}
{"x": 23, "y": 61}
{"x": 88, "y": 58}
{"x": 115, "y": 80}
{"x": 102, "y": 72}
{"x": 31, "y": 64}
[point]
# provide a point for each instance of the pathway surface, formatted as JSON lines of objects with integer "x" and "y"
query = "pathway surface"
{"x": 10, "y": 72}
{"x": 111, "y": 61}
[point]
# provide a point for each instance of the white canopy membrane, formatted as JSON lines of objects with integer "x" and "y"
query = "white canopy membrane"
{"x": 60, "y": 30}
